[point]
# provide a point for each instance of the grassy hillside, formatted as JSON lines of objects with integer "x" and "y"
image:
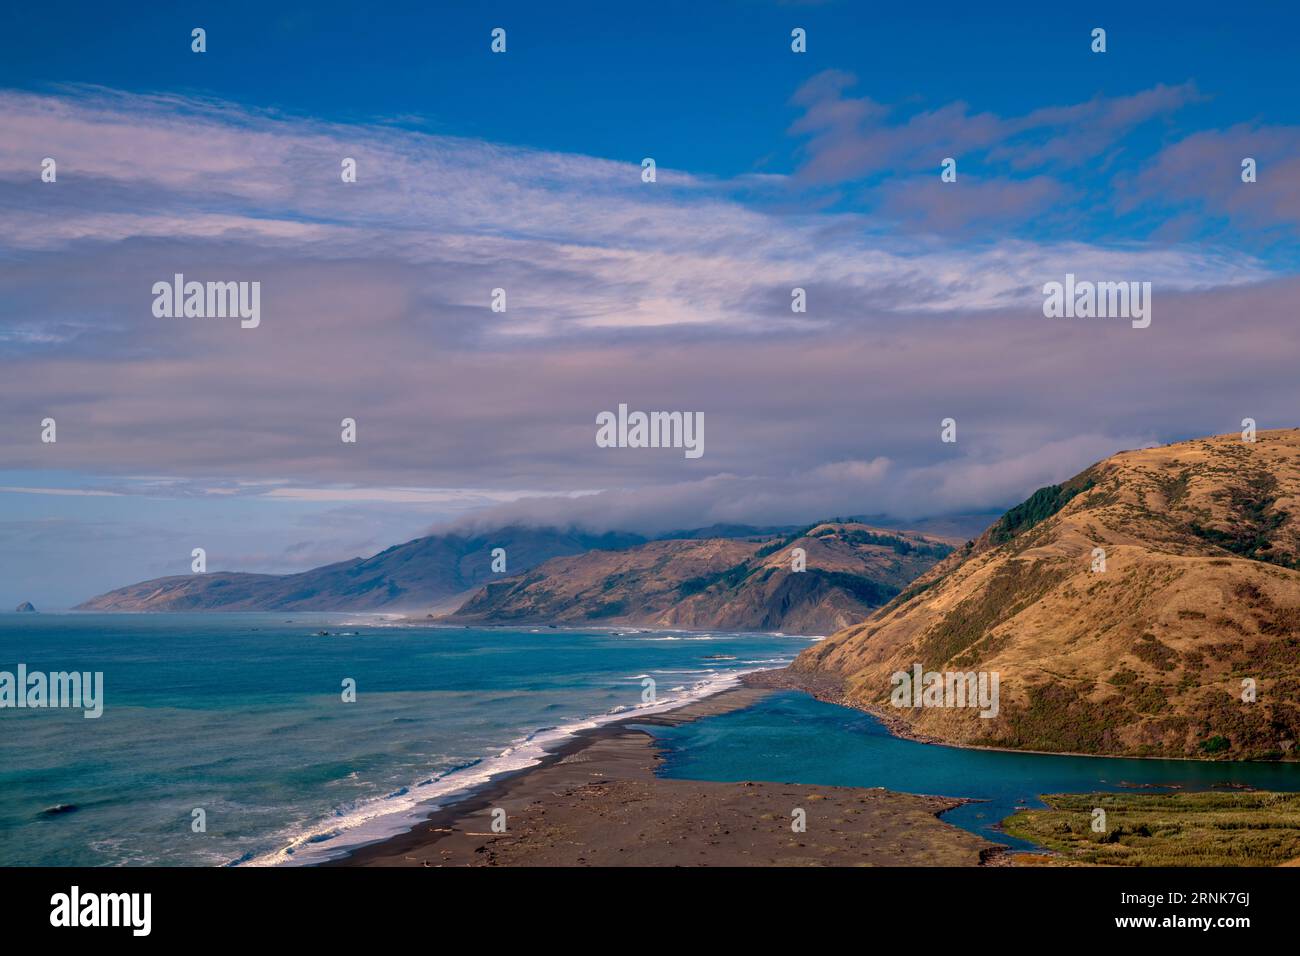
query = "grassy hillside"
{"x": 1200, "y": 592}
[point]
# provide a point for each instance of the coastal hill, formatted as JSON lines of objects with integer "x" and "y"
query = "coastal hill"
{"x": 1200, "y": 592}
{"x": 724, "y": 576}
{"x": 731, "y": 583}
{"x": 417, "y": 574}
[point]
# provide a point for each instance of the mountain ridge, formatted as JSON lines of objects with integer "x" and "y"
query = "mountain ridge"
{"x": 736, "y": 584}
{"x": 404, "y": 577}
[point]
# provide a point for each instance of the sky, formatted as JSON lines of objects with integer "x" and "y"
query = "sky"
{"x": 522, "y": 171}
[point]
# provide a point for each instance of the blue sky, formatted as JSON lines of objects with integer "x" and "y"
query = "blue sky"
{"x": 610, "y": 80}
{"x": 477, "y": 170}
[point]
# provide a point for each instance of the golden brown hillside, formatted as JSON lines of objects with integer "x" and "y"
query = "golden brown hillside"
{"x": 1200, "y": 591}
{"x": 739, "y": 584}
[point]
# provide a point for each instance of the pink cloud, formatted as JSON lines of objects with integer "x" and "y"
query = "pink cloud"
{"x": 1206, "y": 168}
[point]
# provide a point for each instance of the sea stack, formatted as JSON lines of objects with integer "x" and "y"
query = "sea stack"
{"x": 25, "y": 608}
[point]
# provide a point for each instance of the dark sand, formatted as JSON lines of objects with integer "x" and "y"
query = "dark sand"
{"x": 597, "y": 802}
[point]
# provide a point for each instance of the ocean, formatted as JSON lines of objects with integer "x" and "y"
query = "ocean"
{"x": 241, "y": 716}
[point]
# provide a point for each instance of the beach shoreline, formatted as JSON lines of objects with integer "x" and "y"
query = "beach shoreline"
{"x": 595, "y": 800}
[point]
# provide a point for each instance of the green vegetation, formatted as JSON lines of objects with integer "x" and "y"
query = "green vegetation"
{"x": 1253, "y": 520}
{"x": 916, "y": 589}
{"x": 1060, "y": 719}
{"x": 1222, "y": 728}
{"x": 1138, "y": 694}
{"x": 1182, "y": 829}
{"x": 771, "y": 548}
{"x": 1159, "y": 655}
{"x": 608, "y": 609}
{"x": 869, "y": 592}
{"x": 1174, "y": 488}
{"x": 1038, "y": 507}
{"x": 897, "y": 543}
{"x": 780, "y": 543}
{"x": 696, "y": 585}
{"x": 729, "y": 578}
{"x": 617, "y": 580}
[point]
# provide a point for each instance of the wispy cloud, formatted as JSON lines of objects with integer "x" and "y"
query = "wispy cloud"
{"x": 70, "y": 492}
{"x": 667, "y": 295}
{"x": 1060, "y": 164}
{"x": 1205, "y": 169}
{"x": 852, "y": 137}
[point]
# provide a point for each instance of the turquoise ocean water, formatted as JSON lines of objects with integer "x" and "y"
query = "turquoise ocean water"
{"x": 241, "y": 715}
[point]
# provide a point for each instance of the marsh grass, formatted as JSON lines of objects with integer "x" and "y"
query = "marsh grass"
{"x": 1182, "y": 829}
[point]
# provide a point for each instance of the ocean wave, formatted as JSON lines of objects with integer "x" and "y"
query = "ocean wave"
{"x": 375, "y": 819}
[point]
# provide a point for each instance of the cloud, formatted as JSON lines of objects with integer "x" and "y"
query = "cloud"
{"x": 1205, "y": 169}
{"x": 1009, "y": 167}
{"x": 1069, "y": 136}
{"x": 938, "y": 206}
{"x": 964, "y": 484}
{"x": 672, "y": 296}
{"x": 864, "y": 472}
{"x": 854, "y": 137}
{"x": 72, "y": 492}
{"x": 462, "y": 497}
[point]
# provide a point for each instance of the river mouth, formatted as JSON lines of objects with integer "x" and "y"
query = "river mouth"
{"x": 791, "y": 737}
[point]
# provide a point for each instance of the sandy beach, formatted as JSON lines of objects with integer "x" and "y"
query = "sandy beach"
{"x": 597, "y": 802}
